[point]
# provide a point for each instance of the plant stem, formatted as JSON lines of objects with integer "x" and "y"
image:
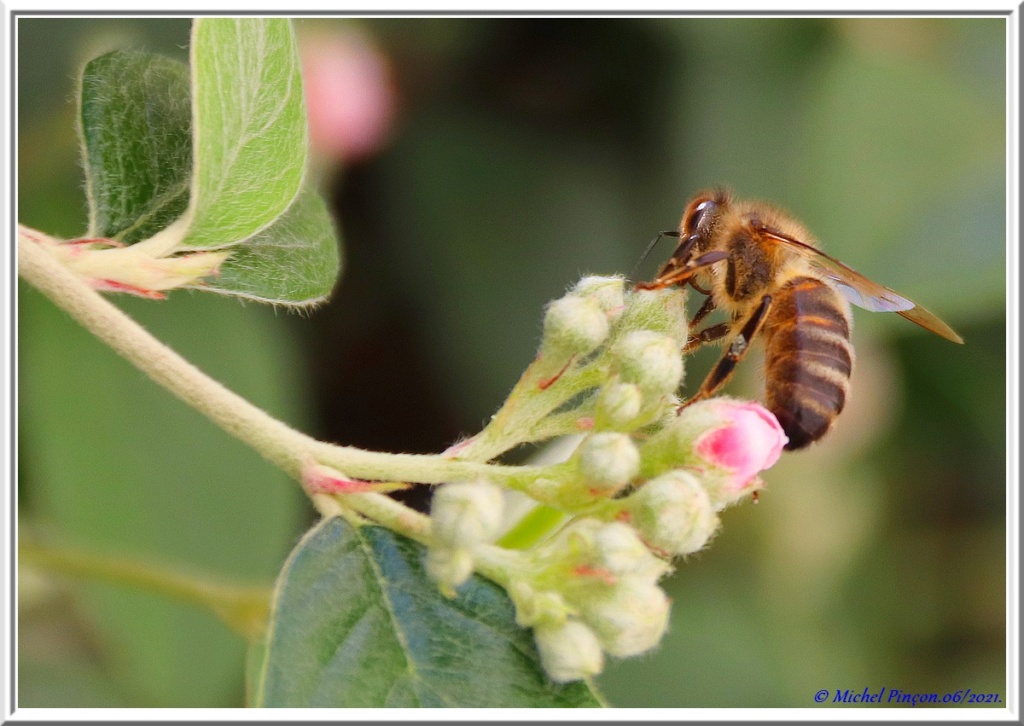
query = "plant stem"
{"x": 280, "y": 444}
{"x": 286, "y": 448}
{"x": 244, "y": 608}
{"x": 519, "y": 419}
{"x": 533, "y": 527}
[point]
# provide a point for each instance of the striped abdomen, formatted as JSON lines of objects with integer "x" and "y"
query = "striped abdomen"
{"x": 808, "y": 358}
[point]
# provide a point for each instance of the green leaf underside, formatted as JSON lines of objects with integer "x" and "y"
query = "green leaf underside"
{"x": 294, "y": 261}
{"x": 250, "y": 127}
{"x": 357, "y": 623}
{"x": 135, "y": 119}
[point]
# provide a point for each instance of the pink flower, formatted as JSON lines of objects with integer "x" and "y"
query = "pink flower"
{"x": 749, "y": 441}
{"x": 350, "y": 97}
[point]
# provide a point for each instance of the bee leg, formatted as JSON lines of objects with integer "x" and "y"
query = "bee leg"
{"x": 682, "y": 274}
{"x": 708, "y": 334}
{"x": 699, "y": 289}
{"x": 705, "y": 336}
{"x": 704, "y": 311}
{"x": 736, "y": 351}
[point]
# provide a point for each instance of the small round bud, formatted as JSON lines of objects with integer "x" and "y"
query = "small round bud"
{"x": 673, "y": 513}
{"x": 630, "y": 618}
{"x": 465, "y": 514}
{"x": 573, "y": 325}
{"x": 660, "y": 311}
{"x": 569, "y": 652}
{"x": 608, "y": 461}
{"x": 449, "y": 568}
{"x": 618, "y": 406}
{"x": 650, "y": 360}
{"x": 608, "y": 292}
{"x": 619, "y": 551}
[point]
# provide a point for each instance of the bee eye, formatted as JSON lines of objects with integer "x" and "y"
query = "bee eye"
{"x": 700, "y": 214}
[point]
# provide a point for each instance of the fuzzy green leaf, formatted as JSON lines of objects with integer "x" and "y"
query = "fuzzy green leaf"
{"x": 295, "y": 261}
{"x": 135, "y": 119}
{"x": 250, "y": 133}
{"x": 357, "y": 622}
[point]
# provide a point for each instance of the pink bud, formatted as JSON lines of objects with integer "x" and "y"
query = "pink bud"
{"x": 749, "y": 441}
{"x": 350, "y": 96}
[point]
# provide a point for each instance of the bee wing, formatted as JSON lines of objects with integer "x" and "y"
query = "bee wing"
{"x": 864, "y": 293}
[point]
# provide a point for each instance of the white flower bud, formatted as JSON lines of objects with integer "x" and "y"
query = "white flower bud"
{"x": 449, "y": 568}
{"x": 651, "y": 360}
{"x": 618, "y": 406}
{"x": 465, "y": 514}
{"x": 569, "y": 652}
{"x": 608, "y": 461}
{"x": 661, "y": 311}
{"x": 673, "y": 513}
{"x": 573, "y": 325}
{"x": 608, "y": 292}
{"x": 620, "y": 551}
{"x": 630, "y": 618}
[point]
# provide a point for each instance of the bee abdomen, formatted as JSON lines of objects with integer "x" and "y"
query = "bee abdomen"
{"x": 808, "y": 359}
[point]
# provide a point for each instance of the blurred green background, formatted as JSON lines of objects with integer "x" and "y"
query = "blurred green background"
{"x": 522, "y": 154}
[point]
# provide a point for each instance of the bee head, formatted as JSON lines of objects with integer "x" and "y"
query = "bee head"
{"x": 701, "y": 215}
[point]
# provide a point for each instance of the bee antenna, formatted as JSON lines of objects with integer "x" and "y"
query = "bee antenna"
{"x": 653, "y": 242}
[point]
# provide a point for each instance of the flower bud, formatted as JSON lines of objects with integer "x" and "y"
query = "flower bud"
{"x": 651, "y": 360}
{"x": 573, "y": 325}
{"x": 608, "y": 292}
{"x": 673, "y": 513}
{"x": 465, "y": 514}
{"x": 660, "y": 311}
{"x": 569, "y": 652}
{"x": 618, "y": 406}
{"x": 619, "y": 550}
{"x": 727, "y": 441}
{"x": 628, "y": 619}
{"x": 748, "y": 440}
{"x": 608, "y": 461}
{"x": 449, "y": 568}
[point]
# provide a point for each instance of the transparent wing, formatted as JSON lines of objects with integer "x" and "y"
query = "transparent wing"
{"x": 864, "y": 293}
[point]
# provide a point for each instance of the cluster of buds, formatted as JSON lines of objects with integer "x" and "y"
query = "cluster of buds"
{"x": 645, "y": 484}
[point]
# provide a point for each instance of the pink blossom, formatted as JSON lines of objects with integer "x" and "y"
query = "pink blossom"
{"x": 350, "y": 97}
{"x": 749, "y": 441}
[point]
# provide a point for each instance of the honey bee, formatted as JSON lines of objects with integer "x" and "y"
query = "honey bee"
{"x": 765, "y": 271}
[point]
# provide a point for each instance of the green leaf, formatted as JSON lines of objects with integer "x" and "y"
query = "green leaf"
{"x": 357, "y": 622}
{"x": 250, "y": 135}
{"x": 295, "y": 261}
{"x": 135, "y": 119}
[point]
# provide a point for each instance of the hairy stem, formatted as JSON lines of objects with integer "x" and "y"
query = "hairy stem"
{"x": 286, "y": 448}
{"x": 280, "y": 444}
